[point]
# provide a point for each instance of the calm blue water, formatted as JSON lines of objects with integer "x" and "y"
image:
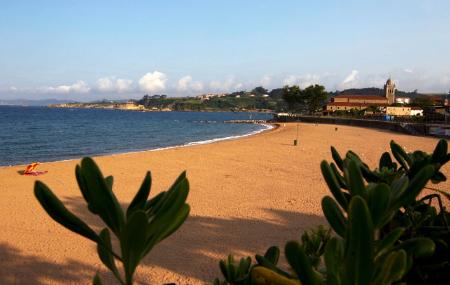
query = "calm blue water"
{"x": 43, "y": 134}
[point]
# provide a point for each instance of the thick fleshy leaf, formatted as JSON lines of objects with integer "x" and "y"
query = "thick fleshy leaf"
{"x": 102, "y": 199}
{"x": 109, "y": 182}
{"x": 58, "y": 212}
{"x": 299, "y": 262}
{"x": 104, "y": 250}
{"x": 337, "y": 158}
{"x": 354, "y": 178}
{"x": 333, "y": 184}
{"x": 264, "y": 276}
{"x": 417, "y": 247}
{"x": 141, "y": 197}
{"x": 393, "y": 268}
{"x": 378, "y": 202}
{"x": 385, "y": 161}
{"x": 400, "y": 155}
{"x": 263, "y": 261}
{"x": 133, "y": 241}
{"x": 359, "y": 243}
{"x": 388, "y": 241}
{"x": 272, "y": 254}
{"x": 334, "y": 215}
{"x": 439, "y": 152}
{"x": 333, "y": 257}
{"x": 416, "y": 185}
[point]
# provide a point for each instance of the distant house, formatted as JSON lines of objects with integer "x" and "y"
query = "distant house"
{"x": 210, "y": 95}
{"x": 403, "y": 111}
{"x": 416, "y": 111}
{"x": 403, "y": 100}
{"x": 361, "y": 102}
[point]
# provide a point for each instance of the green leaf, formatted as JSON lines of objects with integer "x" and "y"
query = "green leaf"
{"x": 439, "y": 152}
{"x": 170, "y": 195}
{"x": 109, "y": 182}
{"x": 359, "y": 243}
{"x": 416, "y": 185}
{"x": 400, "y": 155}
{"x": 378, "y": 202}
{"x": 272, "y": 254}
{"x": 333, "y": 257}
{"x": 166, "y": 226}
{"x": 101, "y": 197}
{"x": 265, "y": 262}
{"x": 133, "y": 242}
{"x": 438, "y": 177}
{"x": 169, "y": 213}
{"x": 58, "y": 212}
{"x": 224, "y": 268}
{"x": 417, "y": 247}
{"x": 354, "y": 178}
{"x": 334, "y": 215}
{"x": 104, "y": 250}
{"x": 337, "y": 158}
{"x": 298, "y": 260}
{"x": 385, "y": 161}
{"x": 83, "y": 188}
{"x": 393, "y": 268}
{"x": 338, "y": 176}
{"x": 333, "y": 184}
{"x": 398, "y": 187}
{"x": 388, "y": 241}
{"x": 140, "y": 199}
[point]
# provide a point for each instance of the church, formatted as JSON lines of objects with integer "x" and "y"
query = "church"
{"x": 361, "y": 102}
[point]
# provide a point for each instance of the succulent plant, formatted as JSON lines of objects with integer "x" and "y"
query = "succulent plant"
{"x": 145, "y": 223}
{"x": 383, "y": 230}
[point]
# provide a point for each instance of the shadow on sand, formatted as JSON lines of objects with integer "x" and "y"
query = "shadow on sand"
{"x": 17, "y": 267}
{"x": 196, "y": 248}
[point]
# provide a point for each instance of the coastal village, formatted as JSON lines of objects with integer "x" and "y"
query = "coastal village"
{"x": 387, "y": 105}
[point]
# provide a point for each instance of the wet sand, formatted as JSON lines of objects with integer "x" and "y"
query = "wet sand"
{"x": 246, "y": 195}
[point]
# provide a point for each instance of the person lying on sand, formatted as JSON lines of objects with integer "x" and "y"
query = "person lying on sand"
{"x": 29, "y": 170}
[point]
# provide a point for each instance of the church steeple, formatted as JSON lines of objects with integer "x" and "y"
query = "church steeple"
{"x": 389, "y": 91}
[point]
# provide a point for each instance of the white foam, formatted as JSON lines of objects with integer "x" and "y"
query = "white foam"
{"x": 266, "y": 128}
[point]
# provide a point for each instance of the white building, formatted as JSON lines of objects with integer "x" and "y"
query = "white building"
{"x": 402, "y": 100}
{"x": 416, "y": 111}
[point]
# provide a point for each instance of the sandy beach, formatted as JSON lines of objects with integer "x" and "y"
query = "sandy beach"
{"x": 246, "y": 195}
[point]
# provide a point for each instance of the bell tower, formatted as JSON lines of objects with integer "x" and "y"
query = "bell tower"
{"x": 389, "y": 91}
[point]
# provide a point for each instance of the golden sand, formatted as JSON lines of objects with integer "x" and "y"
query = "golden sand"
{"x": 246, "y": 195}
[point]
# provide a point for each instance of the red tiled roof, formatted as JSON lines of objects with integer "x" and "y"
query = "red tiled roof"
{"x": 355, "y": 104}
{"x": 367, "y": 97}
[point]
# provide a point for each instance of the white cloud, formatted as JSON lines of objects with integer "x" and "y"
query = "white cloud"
{"x": 78, "y": 87}
{"x": 408, "y": 70}
{"x": 227, "y": 85}
{"x": 123, "y": 85}
{"x": 186, "y": 84}
{"x": 153, "y": 81}
{"x": 266, "y": 80}
{"x": 111, "y": 84}
{"x": 105, "y": 84}
{"x": 302, "y": 80}
{"x": 352, "y": 77}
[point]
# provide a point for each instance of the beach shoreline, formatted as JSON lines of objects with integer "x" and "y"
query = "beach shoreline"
{"x": 246, "y": 194}
{"x": 268, "y": 127}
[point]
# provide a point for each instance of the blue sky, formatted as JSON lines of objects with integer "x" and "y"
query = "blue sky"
{"x": 123, "y": 49}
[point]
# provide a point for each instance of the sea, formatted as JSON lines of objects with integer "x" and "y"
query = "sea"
{"x": 29, "y": 134}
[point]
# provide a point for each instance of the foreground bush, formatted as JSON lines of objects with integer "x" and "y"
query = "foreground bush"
{"x": 384, "y": 233}
{"x": 144, "y": 224}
